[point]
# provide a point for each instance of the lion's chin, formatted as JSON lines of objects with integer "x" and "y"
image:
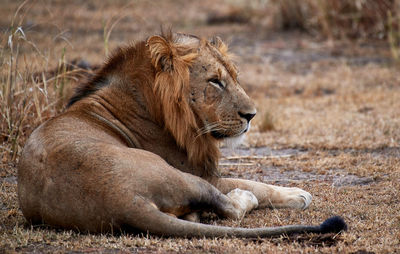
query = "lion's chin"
{"x": 231, "y": 141}
{"x": 234, "y": 142}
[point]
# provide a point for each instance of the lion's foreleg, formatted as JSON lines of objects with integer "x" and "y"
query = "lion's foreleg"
{"x": 268, "y": 195}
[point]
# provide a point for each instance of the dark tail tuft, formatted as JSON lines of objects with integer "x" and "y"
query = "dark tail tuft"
{"x": 334, "y": 224}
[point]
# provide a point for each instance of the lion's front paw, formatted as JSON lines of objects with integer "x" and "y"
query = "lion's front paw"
{"x": 297, "y": 198}
{"x": 245, "y": 199}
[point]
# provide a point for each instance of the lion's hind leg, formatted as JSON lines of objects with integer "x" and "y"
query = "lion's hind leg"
{"x": 201, "y": 196}
{"x": 245, "y": 201}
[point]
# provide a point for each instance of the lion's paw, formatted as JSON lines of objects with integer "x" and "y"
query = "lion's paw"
{"x": 297, "y": 198}
{"x": 193, "y": 217}
{"x": 245, "y": 199}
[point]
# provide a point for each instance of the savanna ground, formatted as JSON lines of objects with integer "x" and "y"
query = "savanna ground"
{"x": 328, "y": 115}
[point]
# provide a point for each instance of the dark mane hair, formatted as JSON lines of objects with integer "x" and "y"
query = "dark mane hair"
{"x": 99, "y": 79}
{"x": 86, "y": 89}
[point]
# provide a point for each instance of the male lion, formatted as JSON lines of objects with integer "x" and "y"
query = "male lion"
{"x": 137, "y": 148}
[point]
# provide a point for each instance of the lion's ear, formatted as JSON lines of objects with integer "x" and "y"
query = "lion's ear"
{"x": 217, "y": 42}
{"x": 162, "y": 53}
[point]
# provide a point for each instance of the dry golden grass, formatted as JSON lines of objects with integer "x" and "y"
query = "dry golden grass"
{"x": 339, "y": 18}
{"x": 267, "y": 123}
{"x": 335, "y": 105}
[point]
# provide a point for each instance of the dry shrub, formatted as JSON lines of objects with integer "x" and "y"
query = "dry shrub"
{"x": 30, "y": 91}
{"x": 338, "y": 18}
{"x": 267, "y": 122}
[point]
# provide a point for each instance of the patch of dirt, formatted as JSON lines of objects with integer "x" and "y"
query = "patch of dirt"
{"x": 298, "y": 53}
{"x": 249, "y": 158}
{"x": 258, "y": 152}
{"x": 9, "y": 179}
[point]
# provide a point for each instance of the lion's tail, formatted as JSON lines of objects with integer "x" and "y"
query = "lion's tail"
{"x": 157, "y": 222}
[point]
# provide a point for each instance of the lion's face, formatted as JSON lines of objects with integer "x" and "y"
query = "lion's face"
{"x": 203, "y": 91}
{"x": 220, "y": 103}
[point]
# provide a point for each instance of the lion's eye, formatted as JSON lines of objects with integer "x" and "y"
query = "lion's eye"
{"x": 218, "y": 83}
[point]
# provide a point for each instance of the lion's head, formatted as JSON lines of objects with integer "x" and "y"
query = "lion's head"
{"x": 216, "y": 97}
{"x": 201, "y": 99}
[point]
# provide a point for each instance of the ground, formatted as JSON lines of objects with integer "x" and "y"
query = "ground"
{"x": 328, "y": 121}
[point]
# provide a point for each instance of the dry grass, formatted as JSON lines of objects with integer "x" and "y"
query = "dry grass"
{"x": 339, "y": 18}
{"x": 336, "y": 104}
{"x": 267, "y": 123}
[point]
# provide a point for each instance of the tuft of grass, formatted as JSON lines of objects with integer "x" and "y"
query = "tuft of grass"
{"x": 337, "y": 18}
{"x": 267, "y": 123}
{"x": 394, "y": 35}
{"x": 108, "y": 27}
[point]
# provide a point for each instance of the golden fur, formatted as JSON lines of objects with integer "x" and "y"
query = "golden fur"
{"x": 172, "y": 64}
{"x": 139, "y": 142}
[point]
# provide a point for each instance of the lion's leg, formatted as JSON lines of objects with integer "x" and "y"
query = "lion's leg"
{"x": 200, "y": 195}
{"x": 243, "y": 201}
{"x": 268, "y": 195}
{"x": 234, "y": 204}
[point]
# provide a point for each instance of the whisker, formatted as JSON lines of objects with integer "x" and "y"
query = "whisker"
{"x": 208, "y": 128}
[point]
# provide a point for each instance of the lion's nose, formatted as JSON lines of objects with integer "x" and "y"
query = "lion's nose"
{"x": 247, "y": 116}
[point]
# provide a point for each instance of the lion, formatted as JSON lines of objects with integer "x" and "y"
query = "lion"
{"x": 137, "y": 148}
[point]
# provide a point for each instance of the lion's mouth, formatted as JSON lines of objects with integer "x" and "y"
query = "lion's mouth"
{"x": 219, "y": 135}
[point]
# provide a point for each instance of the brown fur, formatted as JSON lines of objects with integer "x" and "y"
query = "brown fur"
{"x": 135, "y": 140}
{"x": 172, "y": 64}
